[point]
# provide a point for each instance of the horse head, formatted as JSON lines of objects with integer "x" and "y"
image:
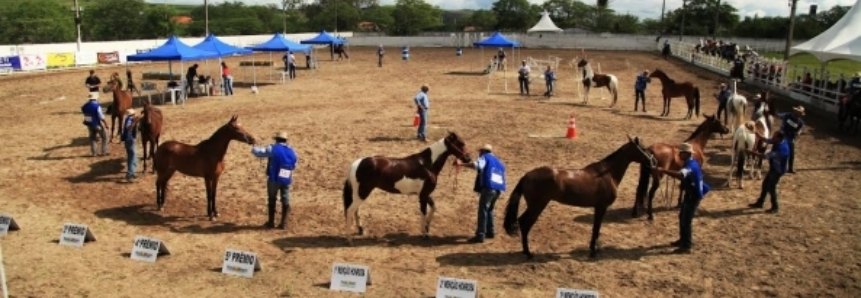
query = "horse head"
{"x": 109, "y": 87}
{"x": 237, "y": 132}
{"x": 658, "y": 73}
{"x": 643, "y": 156}
{"x": 456, "y": 146}
{"x": 583, "y": 62}
{"x": 713, "y": 125}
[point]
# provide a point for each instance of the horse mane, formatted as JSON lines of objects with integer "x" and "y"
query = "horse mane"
{"x": 697, "y": 131}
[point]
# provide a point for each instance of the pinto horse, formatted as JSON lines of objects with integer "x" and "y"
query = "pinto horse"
{"x": 736, "y": 108}
{"x": 122, "y": 102}
{"x": 745, "y": 139}
{"x": 414, "y": 174}
{"x": 670, "y": 88}
{"x": 667, "y": 156}
{"x": 206, "y": 159}
{"x": 150, "y": 127}
{"x": 591, "y": 79}
{"x": 593, "y": 186}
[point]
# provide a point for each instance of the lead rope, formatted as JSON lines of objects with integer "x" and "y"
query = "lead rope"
{"x": 456, "y": 170}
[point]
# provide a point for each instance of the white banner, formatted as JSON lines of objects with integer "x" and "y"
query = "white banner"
{"x": 86, "y": 58}
{"x": 34, "y": 62}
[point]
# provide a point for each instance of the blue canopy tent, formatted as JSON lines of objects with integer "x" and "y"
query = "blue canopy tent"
{"x": 327, "y": 39}
{"x": 497, "y": 40}
{"x": 278, "y": 43}
{"x": 212, "y": 44}
{"x": 172, "y": 50}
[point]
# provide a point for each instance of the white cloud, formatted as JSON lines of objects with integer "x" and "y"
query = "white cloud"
{"x": 641, "y": 8}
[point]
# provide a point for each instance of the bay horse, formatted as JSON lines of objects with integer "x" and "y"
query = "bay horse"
{"x": 670, "y": 88}
{"x": 206, "y": 159}
{"x": 122, "y": 102}
{"x": 414, "y": 174}
{"x": 667, "y": 156}
{"x": 150, "y": 127}
{"x": 593, "y": 186}
{"x": 849, "y": 107}
{"x": 591, "y": 79}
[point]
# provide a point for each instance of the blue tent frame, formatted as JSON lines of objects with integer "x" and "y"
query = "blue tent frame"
{"x": 214, "y": 44}
{"x": 278, "y": 43}
{"x": 327, "y": 39}
{"x": 173, "y": 50}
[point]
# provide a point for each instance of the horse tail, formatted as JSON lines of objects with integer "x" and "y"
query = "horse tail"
{"x": 738, "y": 109}
{"x": 613, "y": 83}
{"x": 347, "y": 195}
{"x": 510, "y": 222}
{"x": 697, "y": 99}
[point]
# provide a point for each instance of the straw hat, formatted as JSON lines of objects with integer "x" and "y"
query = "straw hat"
{"x": 685, "y": 147}
{"x": 486, "y": 147}
{"x": 280, "y": 135}
{"x": 130, "y": 112}
{"x": 858, "y": 74}
{"x": 799, "y": 109}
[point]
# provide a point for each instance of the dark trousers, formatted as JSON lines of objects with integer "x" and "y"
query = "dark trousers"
{"x": 686, "y": 219}
{"x": 486, "y": 202}
{"x": 189, "y": 85}
{"x": 380, "y": 61}
{"x": 291, "y": 70}
{"x": 722, "y": 110}
{"x": 524, "y": 85}
{"x": 791, "y": 165}
{"x": 769, "y": 187}
{"x": 639, "y": 95}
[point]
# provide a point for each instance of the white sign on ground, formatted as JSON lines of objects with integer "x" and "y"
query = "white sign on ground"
{"x": 240, "y": 263}
{"x": 350, "y": 278}
{"x": 148, "y": 249}
{"x": 75, "y": 235}
{"x": 460, "y": 288}
{"x": 7, "y": 224}
{"x": 572, "y": 293}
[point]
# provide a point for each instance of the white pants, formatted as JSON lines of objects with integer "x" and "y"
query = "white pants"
{"x": 95, "y": 94}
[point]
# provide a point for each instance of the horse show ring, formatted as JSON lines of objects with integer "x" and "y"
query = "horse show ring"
{"x": 47, "y": 181}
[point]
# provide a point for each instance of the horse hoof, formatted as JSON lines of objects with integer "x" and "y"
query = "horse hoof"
{"x": 211, "y": 218}
{"x": 651, "y": 218}
{"x": 361, "y": 231}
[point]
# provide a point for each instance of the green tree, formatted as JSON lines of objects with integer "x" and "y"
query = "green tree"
{"x": 335, "y": 13}
{"x": 382, "y": 16}
{"x": 158, "y": 22}
{"x": 38, "y": 21}
{"x": 514, "y": 14}
{"x": 483, "y": 19}
{"x": 699, "y": 19}
{"x": 414, "y": 16}
{"x": 116, "y": 19}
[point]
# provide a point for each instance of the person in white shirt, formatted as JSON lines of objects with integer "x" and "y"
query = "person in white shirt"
{"x": 291, "y": 65}
{"x": 523, "y": 77}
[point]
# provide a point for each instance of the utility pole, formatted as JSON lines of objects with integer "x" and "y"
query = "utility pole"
{"x": 206, "y": 15}
{"x": 717, "y": 18}
{"x": 78, "y": 24}
{"x": 792, "y": 5}
{"x": 663, "y": 8}
{"x": 684, "y": 14}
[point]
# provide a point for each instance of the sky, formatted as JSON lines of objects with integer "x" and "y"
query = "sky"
{"x": 640, "y": 8}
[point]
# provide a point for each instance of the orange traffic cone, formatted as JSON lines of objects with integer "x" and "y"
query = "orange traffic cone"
{"x": 416, "y": 120}
{"x": 572, "y": 128}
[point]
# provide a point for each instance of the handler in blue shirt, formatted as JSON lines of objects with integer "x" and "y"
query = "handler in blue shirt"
{"x": 791, "y": 126}
{"x": 489, "y": 183}
{"x": 778, "y": 157}
{"x": 549, "y": 80}
{"x": 279, "y": 170}
{"x": 723, "y": 97}
{"x": 94, "y": 119}
{"x": 640, "y": 89}
{"x": 695, "y": 189}
{"x": 128, "y": 136}
{"x": 422, "y": 106}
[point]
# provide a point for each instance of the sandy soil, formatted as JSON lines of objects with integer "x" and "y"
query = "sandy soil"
{"x": 345, "y": 111}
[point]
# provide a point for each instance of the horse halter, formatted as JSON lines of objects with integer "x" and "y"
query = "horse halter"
{"x": 653, "y": 162}
{"x": 463, "y": 153}
{"x": 244, "y": 135}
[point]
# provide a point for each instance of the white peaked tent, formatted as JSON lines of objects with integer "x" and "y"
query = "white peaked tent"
{"x": 545, "y": 24}
{"x": 841, "y": 41}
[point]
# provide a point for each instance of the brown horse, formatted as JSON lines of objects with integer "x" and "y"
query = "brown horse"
{"x": 414, "y": 174}
{"x": 668, "y": 158}
{"x": 591, "y": 79}
{"x": 122, "y": 102}
{"x": 593, "y": 186}
{"x": 150, "y": 127}
{"x": 670, "y": 88}
{"x": 206, "y": 159}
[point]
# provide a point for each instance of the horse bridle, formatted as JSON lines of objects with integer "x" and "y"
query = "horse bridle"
{"x": 653, "y": 162}
{"x": 244, "y": 135}
{"x": 463, "y": 153}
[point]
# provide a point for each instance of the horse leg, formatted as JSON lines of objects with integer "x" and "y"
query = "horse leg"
{"x": 527, "y": 220}
{"x": 429, "y": 217}
{"x": 596, "y": 230}
{"x": 207, "y": 181}
{"x": 143, "y": 143}
{"x": 732, "y": 162}
{"x": 214, "y": 191}
{"x": 152, "y": 145}
{"x": 162, "y": 186}
{"x": 656, "y": 183}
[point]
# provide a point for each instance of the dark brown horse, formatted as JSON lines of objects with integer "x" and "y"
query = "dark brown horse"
{"x": 122, "y": 102}
{"x": 591, "y": 79}
{"x": 150, "y": 127}
{"x": 593, "y": 186}
{"x": 670, "y": 88}
{"x": 667, "y": 156}
{"x": 206, "y": 159}
{"x": 414, "y": 174}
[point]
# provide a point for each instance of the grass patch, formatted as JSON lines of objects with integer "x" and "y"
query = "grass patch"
{"x": 847, "y": 67}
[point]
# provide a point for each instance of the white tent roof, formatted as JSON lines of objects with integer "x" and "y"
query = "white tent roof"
{"x": 545, "y": 24}
{"x": 841, "y": 41}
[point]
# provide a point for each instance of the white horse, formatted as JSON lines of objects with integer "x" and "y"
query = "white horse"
{"x": 736, "y": 107}
{"x": 591, "y": 79}
{"x": 745, "y": 139}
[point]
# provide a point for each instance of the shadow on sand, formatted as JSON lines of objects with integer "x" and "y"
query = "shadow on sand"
{"x": 391, "y": 240}
{"x": 146, "y": 215}
{"x": 98, "y": 171}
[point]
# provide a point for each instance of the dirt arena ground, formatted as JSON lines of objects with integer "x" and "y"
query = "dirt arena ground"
{"x": 345, "y": 111}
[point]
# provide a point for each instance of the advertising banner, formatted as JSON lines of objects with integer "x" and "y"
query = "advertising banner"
{"x": 109, "y": 57}
{"x": 33, "y": 62}
{"x": 56, "y": 60}
{"x": 10, "y": 63}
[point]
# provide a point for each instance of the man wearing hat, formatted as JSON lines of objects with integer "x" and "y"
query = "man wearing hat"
{"x": 489, "y": 183}
{"x": 791, "y": 126}
{"x": 694, "y": 190}
{"x": 640, "y": 89}
{"x": 422, "y": 105}
{"x": 777, "y": 159}
{"x": 523, "y": 78}
{"x": 94, "y": 119}
{"x": 723, "y": 96}
{"x": 128, "y": 136}
{"x": 279, "y": 170}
